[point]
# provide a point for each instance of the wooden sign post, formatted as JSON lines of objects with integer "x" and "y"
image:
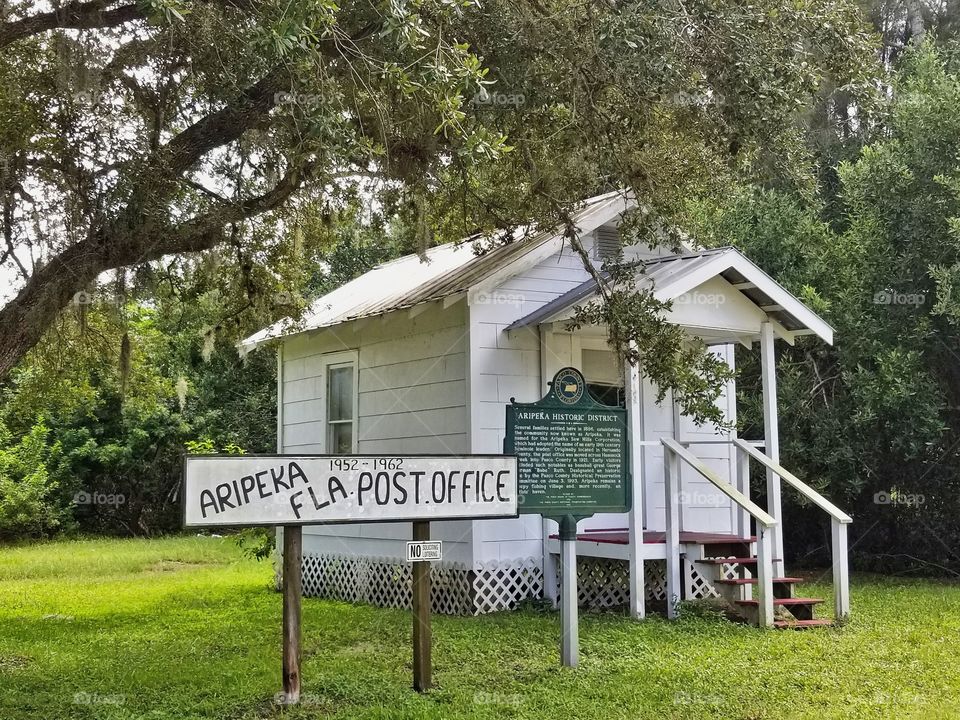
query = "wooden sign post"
{"x": 572, "y": 462}
{"x": 292, "y": 593}
{"x": 297, "y": 490}
{"x": 422, "y": 633}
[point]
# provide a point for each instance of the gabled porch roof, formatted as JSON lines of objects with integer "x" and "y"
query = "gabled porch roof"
{"x": 673, "y": 276}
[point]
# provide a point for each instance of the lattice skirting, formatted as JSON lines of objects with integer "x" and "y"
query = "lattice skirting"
{"x": 456, "y": 590}
{"x": 490, "y": 587}
{"x": 605, "y": 582}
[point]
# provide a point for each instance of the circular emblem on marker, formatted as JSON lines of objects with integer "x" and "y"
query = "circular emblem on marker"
{"x": 568, "y": 386}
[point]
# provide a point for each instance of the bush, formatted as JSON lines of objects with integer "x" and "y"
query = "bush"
{"x": 30, "y": 505}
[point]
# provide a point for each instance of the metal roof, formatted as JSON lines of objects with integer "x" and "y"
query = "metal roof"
{"x": 448, "y": 270}
{"x": 671, "y": 276}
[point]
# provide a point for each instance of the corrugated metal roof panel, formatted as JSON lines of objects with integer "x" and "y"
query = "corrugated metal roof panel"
{"x": 403, "y": 283}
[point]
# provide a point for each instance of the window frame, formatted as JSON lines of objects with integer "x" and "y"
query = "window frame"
{"x": 333, "y": 361}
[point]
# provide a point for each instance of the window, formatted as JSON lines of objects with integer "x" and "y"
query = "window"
{"x": 607, "y": 394}
{"x": 341, "y": 411}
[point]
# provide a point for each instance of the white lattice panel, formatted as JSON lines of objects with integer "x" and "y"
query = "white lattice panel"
{"x": 700, "y": 586}
{"x": 605, "y": 582}
{"x": 386, "y": 582}
{"x": 503, "y": 585}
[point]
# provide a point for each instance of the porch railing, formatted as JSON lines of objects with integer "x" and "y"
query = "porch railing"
{"x": 766, "y": 524}
{"x": 839, "y": 521}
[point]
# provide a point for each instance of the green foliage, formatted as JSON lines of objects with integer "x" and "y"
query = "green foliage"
{"x": 875, "y": 415}
{"x": 29, "y": 503}
{"x": 640, "y": 335}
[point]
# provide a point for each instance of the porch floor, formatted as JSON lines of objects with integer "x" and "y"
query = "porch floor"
{"x": 621, "y": 536}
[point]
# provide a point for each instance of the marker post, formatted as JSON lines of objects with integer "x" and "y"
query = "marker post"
{"x": 569, "y": 619}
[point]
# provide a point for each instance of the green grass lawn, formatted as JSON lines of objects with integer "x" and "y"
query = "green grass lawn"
{"x": 188, "y": 628}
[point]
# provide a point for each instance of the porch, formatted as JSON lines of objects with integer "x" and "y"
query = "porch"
{"x": 691, "y": 499}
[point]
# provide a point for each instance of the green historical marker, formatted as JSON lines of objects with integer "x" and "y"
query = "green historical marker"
{"x": 572, "y": 452}
{"x": 572, "y": 462}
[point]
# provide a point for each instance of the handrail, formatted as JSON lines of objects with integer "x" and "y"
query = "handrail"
{"x": 761, "y": 515}
{"x": 792, "y": 480}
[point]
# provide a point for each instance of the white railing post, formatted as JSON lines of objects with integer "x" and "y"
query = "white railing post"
{"x": 744, "y": 528}
{"x": 743, "y": 485}
{"x": 841, "y": 570}
{"x": 672, "y": 496}
{"x": 764, "y": 575}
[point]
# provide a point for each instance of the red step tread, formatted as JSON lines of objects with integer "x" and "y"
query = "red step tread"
{"x": 753, "y": 581}
{"x": 783, "y": 601}
{"x": 729, "y": 561}
{"x": 801, "y": 624}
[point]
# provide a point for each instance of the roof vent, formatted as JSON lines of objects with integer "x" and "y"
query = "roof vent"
{"x": 607, "y": 242}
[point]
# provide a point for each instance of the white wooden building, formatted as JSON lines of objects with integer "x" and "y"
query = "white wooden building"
{"x": 422, "y": 357}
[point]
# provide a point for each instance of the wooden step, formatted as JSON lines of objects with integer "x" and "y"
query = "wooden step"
{"x": 784, "y": 601}
{"x": 800, "y": 608}
{"x": 729, "y": 561}
{"x": 783, "y": 587}
{"x": 753, "y": 581}
{"x": 802, "y": 624}
{"x": 728, "y": 540}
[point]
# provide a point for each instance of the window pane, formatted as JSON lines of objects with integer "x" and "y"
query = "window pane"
{"x": 341, "y": 439}
{"x": 340, "y": 401}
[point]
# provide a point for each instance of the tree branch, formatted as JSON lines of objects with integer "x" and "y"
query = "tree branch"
{"x": 75, "y": 15}
{"x": 24, "y": 319}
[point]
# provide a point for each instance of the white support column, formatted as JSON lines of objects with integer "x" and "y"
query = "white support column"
{"x": 671, "y": 478}
{"x": 765, "y": 575}
{"x": 635, "y": 434}
{"x": 550, "y": 362}
{"x": 841, "y": 570}
{"x": 768, "y": 365}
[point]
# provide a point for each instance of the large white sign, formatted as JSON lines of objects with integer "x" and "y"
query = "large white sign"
{"x": 238, "y": 490}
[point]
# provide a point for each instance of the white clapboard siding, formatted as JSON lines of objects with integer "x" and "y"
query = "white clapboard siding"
{"x": 411, "y": 399}
{"x": 508, "y": 365}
